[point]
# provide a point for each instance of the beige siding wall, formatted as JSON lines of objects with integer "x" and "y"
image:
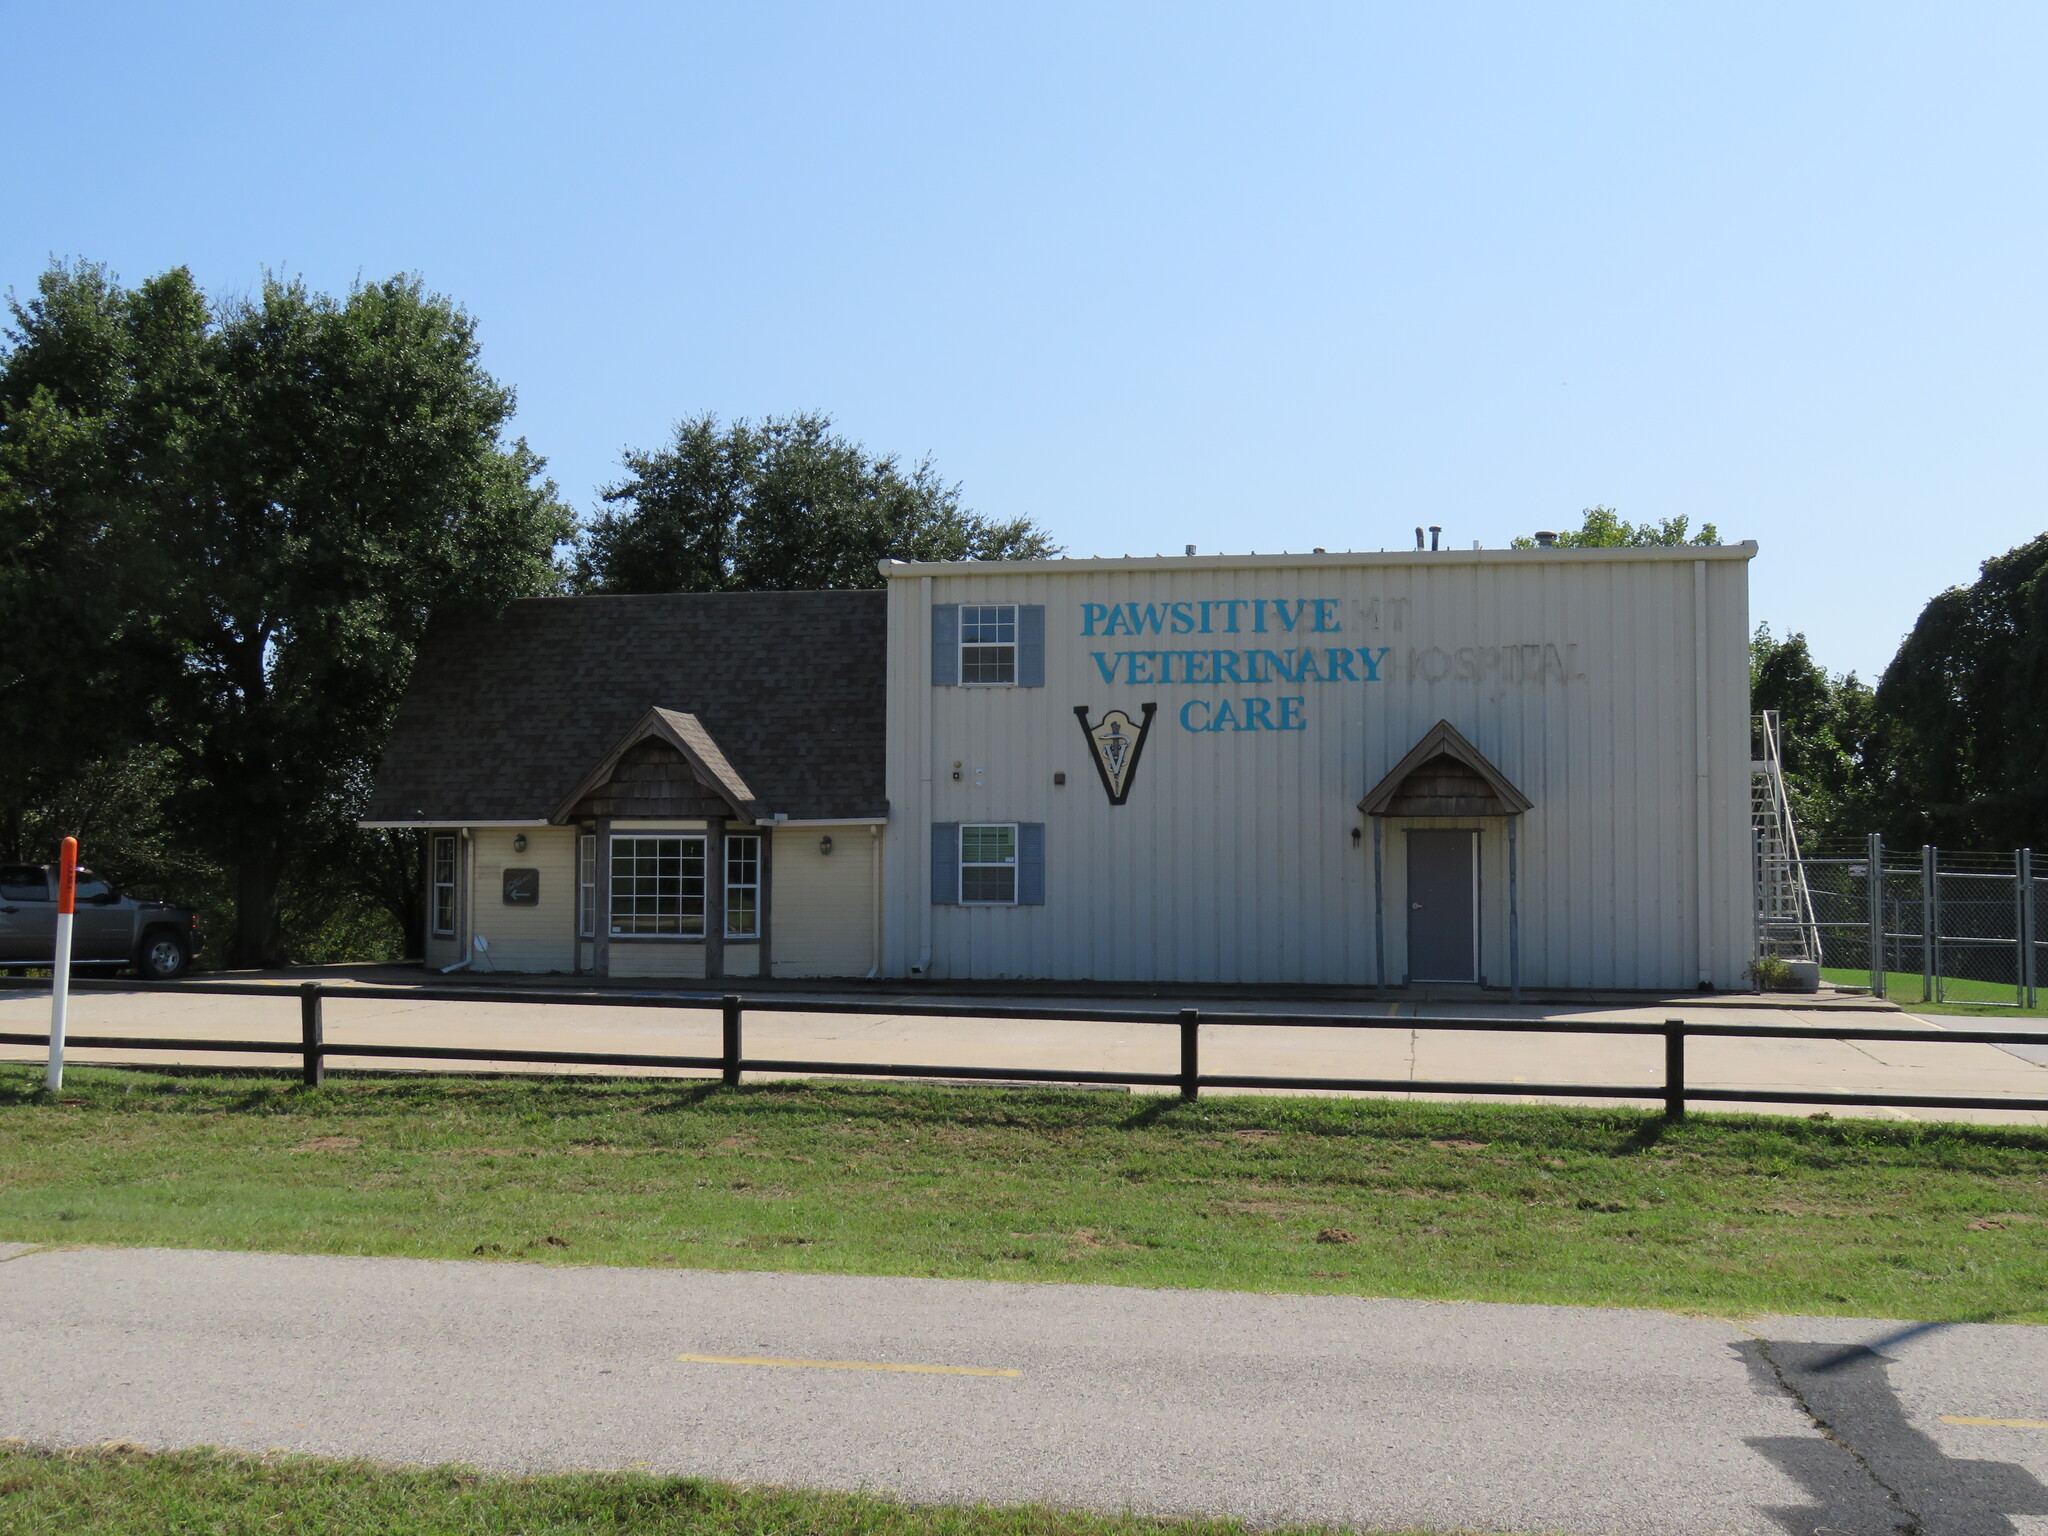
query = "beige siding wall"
{"x": 1611, "y": 686}
{"x": 536, "y": 938}
{"x": 824, "y": 904}
{"x": 666, "y": 961}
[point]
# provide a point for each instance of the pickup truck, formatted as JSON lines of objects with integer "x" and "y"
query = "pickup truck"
{"x": 110, "y": 930}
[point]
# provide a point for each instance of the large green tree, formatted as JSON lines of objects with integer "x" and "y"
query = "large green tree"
{"x": 1825, "y": 734}
{"x": 224, "y": 523}
{"x": 1604, "y": 528}
{"x": 783, "y": 505}
{"x": 1963, "y": 713}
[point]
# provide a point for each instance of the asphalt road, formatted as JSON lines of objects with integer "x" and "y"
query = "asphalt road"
{"x": 1275, "y": 1408}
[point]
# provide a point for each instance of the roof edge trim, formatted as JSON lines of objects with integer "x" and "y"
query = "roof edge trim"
{"x": 903, "y": 570}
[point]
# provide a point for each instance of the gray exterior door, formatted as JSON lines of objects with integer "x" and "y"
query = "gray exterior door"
{"x": 1443, "y": 905}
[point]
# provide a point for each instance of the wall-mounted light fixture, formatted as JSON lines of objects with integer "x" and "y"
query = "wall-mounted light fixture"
{"x": 1357, "y": 834}
{"x": 1059, "y": 779}
{"x": 519, "y": 842}
{"x": 825, "y": 844}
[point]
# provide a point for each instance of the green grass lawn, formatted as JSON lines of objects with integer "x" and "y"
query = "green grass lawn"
{"x": 1959, "y": 996}
{"x": 117, "y": 1492}
{"x": 1720, "y": 1213}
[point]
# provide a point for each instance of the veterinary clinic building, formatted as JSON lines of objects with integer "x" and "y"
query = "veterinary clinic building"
{"x": 1490, "y": 767}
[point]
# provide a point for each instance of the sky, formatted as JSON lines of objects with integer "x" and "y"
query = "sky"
{"x": 1249, "y": 277}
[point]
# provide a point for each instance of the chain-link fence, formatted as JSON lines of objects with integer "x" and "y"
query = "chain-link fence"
{"x": 1930, "y": 924}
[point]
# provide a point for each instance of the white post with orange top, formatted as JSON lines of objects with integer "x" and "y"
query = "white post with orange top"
{"x": 60, "y": 973}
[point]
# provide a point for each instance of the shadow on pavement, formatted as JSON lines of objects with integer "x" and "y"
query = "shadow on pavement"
{"x": 1875, "y": 1474}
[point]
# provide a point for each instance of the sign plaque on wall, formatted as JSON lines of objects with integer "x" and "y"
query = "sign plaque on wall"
{"x": 1115, "y": 744}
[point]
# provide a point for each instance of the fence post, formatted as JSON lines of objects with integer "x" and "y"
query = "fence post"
{"x": 2029, "y": 958}
{"x": 1674, "y": 1069}
{"x": 731, "y": 1009}
{"x": 1930, "y": 921}
{"x": 1880, "y": 957}
{"x": 312, "y": 1036}
{"x": 1190, "y": 1069}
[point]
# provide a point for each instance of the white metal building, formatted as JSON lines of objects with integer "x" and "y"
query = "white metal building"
{"x": 1570, "y": 727}
{"x": 1486, "y": 767}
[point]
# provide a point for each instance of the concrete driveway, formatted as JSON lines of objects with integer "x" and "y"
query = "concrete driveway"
{"x": 876, "y": 1034}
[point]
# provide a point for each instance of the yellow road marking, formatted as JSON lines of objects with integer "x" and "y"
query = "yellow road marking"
{"x": 851, "y": 1365}
{"x": 1956, "y": 1418}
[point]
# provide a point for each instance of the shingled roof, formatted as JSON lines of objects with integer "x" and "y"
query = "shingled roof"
{"x": 508, "y": 713}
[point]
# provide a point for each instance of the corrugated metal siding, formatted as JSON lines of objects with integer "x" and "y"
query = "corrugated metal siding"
{"x": 824, "y": 905}
{"x": 536, "y": 938}
{"x": 1233, "y": 859}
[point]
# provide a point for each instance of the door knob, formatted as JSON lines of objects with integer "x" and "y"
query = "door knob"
{"x": 1414, "y": 906}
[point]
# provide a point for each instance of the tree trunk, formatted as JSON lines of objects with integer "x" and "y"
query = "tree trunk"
{"x": 259, "y": 933}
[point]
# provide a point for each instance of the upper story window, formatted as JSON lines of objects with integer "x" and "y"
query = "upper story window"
{"x": 988, "y": 643}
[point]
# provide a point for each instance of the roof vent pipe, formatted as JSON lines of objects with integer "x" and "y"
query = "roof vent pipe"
{"x": 1434, "y": 530}
{"x": 1191, "y": 549}
{"x": 1545, "y": 539}
{"x": 1418, "y": 538}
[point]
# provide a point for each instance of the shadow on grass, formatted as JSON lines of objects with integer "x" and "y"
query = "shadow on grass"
{"x": 1607, "y": 1132}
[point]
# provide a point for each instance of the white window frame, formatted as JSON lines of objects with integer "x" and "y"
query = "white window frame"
{"x": 436, "y": 886}
{"x": 1013, "y": 864}
{"x": 1006, "y": 615}
{"x": 753, "y": 885}
{"x": 683, "y": 898}
{"x": 586, "y": 885}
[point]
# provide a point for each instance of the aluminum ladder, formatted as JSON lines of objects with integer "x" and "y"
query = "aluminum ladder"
{"x": 1785, "y": 924}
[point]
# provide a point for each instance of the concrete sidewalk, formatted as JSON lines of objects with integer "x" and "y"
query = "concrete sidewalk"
{"x": 1397, "y": 1052}
{"x": 1311, "y": 1409}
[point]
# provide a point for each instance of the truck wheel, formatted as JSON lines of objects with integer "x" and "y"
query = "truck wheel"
{"x": 162, "y": 957}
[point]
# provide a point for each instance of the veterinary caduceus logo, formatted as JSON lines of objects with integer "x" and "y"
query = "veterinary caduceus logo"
{"x": 1114, "y": 742}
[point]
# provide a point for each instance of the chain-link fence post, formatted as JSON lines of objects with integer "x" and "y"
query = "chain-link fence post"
{"x": 1874, "y": 877}
{"x": 2029, "y": 956}
{"x": 1927, "y": 922}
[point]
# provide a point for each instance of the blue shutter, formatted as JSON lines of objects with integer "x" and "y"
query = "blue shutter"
{"x": 946, "y": 863}
{"x": 945, "y": 645}
{"x": 1031, "y": 645}
{"x": 1030, "y": 863}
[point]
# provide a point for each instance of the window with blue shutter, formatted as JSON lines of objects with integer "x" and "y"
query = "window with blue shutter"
{"x": 945, "y": 645}
{"x": 988, "y": 645}
{"x": 946, "y": 863}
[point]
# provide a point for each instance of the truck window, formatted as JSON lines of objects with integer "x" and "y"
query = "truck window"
{"x": 23, "y": 882}
{"x": 91, "y": 887}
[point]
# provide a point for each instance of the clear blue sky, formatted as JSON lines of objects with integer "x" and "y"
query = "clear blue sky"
{"x": 1261, "y": 276}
